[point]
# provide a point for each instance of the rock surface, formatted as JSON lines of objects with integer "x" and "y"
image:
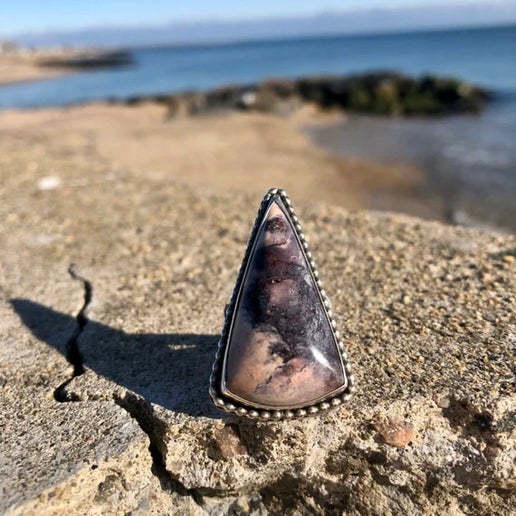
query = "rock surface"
{"x": 427, "y": 311}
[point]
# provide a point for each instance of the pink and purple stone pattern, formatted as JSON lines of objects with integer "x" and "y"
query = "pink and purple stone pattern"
{"x": 281, "y": 352}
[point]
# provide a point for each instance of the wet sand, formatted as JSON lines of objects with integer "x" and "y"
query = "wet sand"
{"x": 468, "y": 162}
{"x": 236, "y": 151}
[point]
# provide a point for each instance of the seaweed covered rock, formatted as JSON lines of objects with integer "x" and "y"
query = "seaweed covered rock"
{"x": 382, "y": 93}
{"x": 389, "y": 93}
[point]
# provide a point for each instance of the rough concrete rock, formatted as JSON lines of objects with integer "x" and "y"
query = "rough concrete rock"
{"x": 428, "y": 312}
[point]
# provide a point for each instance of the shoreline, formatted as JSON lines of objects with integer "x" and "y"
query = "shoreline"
{"x": 288, "y": 105}
{"x": 402, "y": 186}
{"x": 18, "y": 71}
{"x": 464, "y": 173}
{"x": 22, "y": 65}
{"x": 383, "y": 92}
{"x": 272, "y": 150}
{"x": 133, "y": 136}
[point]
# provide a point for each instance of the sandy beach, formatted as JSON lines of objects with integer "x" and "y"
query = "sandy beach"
{"x": 15, "y": 68}
{"x": 247, "y": 152}
{"x": 26, "y": 65}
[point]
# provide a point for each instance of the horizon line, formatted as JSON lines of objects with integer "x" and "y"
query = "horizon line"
{"x": 329, "y": 35}
{"x": 461, "y": 4}
{"x": 273, "y": 38}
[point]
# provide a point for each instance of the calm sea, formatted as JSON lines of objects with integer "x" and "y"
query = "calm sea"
{"x": 476, "y": 155}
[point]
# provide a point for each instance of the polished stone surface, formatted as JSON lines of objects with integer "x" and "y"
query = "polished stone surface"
{"x": 281, "y": 350}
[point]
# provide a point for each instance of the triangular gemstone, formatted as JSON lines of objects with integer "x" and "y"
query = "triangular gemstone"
{"x": 281, "y": 351}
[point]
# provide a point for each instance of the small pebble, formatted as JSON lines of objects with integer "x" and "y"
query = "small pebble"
{"x": 444, "y": 402}
{"x": 396, "y": 432}
{"x": 228, "y": 443}
{"x": 486, "y": 277}
{"x": 49, "y": 183}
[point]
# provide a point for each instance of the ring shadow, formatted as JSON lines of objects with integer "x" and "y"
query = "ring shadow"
{"x": 171, "y": 370}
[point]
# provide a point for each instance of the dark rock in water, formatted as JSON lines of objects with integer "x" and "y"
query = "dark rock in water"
{"x": 381, "y": 93}
{"x": 388, "y": 93}
{"x": 230, "y": 96}
{"x": 90, "y": 60}
{"x": 268, "y": 96}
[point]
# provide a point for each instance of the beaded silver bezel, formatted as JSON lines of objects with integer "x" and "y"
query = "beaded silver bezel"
{"x": 229, "y": 404}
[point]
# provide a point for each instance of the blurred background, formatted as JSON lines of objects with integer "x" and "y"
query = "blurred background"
{"x": 406, "y": 106}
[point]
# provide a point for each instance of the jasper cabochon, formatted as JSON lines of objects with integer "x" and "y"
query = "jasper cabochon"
{"x": 281, "y": 350}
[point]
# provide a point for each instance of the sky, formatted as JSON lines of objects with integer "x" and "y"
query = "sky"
{"x": 22, "y": 16}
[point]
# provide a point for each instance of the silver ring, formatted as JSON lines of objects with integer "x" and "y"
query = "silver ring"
{"x": 280, "y": 354}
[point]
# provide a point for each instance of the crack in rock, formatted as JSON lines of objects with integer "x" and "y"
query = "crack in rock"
{"x": 73, "y": 353}
{"x": 141, "y": 410}
{"x": 138, "y": 408}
